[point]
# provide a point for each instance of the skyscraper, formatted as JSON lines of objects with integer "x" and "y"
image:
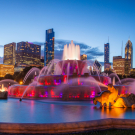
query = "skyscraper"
{"x": 6, "y": 69}
{"x": 9, "y": 54}
{"x": 119, "y": 65}
{"x": 28, "y": 53}
{"x": 84, "y": 57}
{"x": 129, "y": 53}
{"x": 106, "y": 53}
{"x": 49, "y": 47}
{"x": 127, "y": 67}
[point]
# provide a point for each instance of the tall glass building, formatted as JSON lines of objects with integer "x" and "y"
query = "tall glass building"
{"x": 128, "y": 56}
{"x": 49, "y": 47}
{"x": 28, "y": 53}
{"x": 106, "y": 53}
{"x": 9, "y": 54}
{"x": 129, "y": 52}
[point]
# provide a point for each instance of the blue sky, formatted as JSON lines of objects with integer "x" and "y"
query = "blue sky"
{"x": 87, "y": 22}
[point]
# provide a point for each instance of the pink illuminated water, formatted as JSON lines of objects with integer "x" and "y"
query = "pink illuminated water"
{"x": 71, "y": 52}
{"x": 31, "y": 71}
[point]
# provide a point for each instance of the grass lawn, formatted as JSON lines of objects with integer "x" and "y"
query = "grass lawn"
{"x": 108, "y": 132}
{"x": 101, "y": 132}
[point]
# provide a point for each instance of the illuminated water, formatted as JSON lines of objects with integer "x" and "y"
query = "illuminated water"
{"x": 49, "y": 111}
{"x": 71, "y": 52}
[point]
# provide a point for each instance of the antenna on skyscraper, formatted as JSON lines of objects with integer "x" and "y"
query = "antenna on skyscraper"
{"x": 108, "y": 39}
{"x": 122, "y": 49}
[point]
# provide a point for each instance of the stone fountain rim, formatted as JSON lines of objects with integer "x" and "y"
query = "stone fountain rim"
{"x": 69, "y": 127}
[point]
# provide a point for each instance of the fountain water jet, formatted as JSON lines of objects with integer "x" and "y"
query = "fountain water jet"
{"x": 65, "y": 72}
{"x": 115, "y": 75}
{"x": 34, "y": 69}
{"x": 71, "y": 52}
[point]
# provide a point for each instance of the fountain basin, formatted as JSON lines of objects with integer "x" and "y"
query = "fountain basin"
{"x": 55, "y": 111}
{"x": 49, "y": 116}
{"x": 67, "y": 93}
{"x": 78, "y": 87}
{"x": 59, "y": 79}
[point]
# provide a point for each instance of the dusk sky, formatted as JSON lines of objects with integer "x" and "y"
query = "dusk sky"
{"x": 86, "y": 22}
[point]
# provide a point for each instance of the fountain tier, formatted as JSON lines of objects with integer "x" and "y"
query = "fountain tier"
{"x": 57, "y": 86}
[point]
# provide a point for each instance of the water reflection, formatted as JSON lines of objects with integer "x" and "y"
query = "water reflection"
{"x": 114, "y": 112}
{"x": 52, "y": 109}
{"x": 72, "y": 112}
{"x": 34, "y": 111}
{"x": 32, "y": 107}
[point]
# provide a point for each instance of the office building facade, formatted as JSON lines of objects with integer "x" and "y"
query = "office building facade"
{"x": 132, "y": 72}
{"x": 106, "y": 53}
{"x": 127, "y": 67}
{"x": 107, "y": 66}
{"x": 84, "y": 57}
{"x": 9, "y": 54}
{"x": 128, "y": 56}
{"x": 49, "y": 47}
{"x": 119, "y": 65}
{"x": 28, "y": 53}
{"x": 6, "y": 69}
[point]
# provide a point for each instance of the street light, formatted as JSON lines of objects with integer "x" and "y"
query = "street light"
{"x": 21, "y": 82}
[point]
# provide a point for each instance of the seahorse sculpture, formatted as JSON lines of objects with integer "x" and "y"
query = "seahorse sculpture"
{"x": 107, "y": 97}
{"x": 103, "y": 98}
{"x": 112, "y": 99}
{"x": 127, "y": 100}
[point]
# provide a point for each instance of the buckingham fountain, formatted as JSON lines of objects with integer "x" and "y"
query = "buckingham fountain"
{"x": 71, "y": 79}
{"x": 65, "y": 96}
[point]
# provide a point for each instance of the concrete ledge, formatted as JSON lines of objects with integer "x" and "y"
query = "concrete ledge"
{"x": 101, "y": 124}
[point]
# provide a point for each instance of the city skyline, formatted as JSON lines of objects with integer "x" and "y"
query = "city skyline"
{"x": 103, "y": 19}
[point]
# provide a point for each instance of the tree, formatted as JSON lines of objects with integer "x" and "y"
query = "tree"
{"x": 20, "y": 76}
{"x": 1, "y": 78}
{"x": 8, "y": 76}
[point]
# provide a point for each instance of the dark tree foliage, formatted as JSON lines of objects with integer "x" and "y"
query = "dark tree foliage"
{"x": 1, "y": 78}
{"x": 132, "y": 75}
{"x": 16, "y": 74}
{"x": 8, "y": 76}
{"x": 20, "y": 76}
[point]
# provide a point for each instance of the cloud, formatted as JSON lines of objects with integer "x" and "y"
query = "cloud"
{"x": 59, "y": 44}
{"x": 39, "y": 43}
{"x": 92, "y": 53}
{"x": 95, "y": 52}
{"x": 1, "y": 46}
{"x": 58, "y": 54}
